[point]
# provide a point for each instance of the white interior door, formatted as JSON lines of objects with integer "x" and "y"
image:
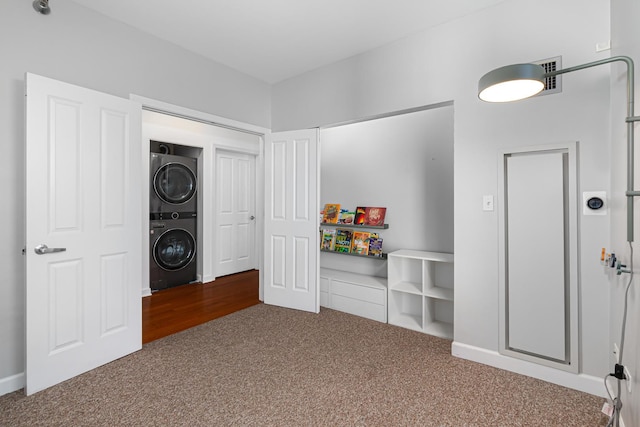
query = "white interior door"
{"x": 82, "y": 194}
{"x": 291, "y": 220}
{"x": 235, "y": 212}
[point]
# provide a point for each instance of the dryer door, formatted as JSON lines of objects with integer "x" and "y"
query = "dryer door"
{"x": 175, "y": 183}
{"x": 174, "y": 249}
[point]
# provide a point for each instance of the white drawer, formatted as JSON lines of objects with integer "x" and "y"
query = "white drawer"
{"x": 359, "y": 292}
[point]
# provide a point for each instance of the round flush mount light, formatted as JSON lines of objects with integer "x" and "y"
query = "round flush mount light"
{"x": 511, "y": 83}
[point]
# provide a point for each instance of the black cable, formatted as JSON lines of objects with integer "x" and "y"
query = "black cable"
{"x": 614, "y": 420}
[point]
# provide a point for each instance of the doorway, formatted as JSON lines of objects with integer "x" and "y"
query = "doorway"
{"x": 210, "y": 138}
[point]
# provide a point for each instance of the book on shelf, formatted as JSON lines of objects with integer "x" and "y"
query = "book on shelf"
{"x": 359, "y": 215}
{"x": 331, "y": 213}
{"x": 374, "y": 216}
{"x": 342, "y": 242}
{"x": 346, "y": 217}
{"x": 360, "y": 243}
{"x": 375, "y": 245}
{"x": 328, "y": 239}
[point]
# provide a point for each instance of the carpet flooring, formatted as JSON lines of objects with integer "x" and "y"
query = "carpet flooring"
{"x": 271, "y": 366}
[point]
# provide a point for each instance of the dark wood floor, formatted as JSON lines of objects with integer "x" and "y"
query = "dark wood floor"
{"x": 173, "y": 310}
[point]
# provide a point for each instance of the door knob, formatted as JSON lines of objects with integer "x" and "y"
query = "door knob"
{"x": 252, "y": 217}
{"x": 44, "y": 249}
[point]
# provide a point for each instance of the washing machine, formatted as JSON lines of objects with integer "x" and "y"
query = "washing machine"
{"x": 173, "y": 251}
{"x": 173, "y": 183}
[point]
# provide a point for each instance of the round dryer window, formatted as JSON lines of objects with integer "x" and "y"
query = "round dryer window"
{"x": 175, "y": 183}
{"x": 174, "y": 249}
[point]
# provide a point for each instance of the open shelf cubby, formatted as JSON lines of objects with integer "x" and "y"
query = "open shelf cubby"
{"x": 420, "y": 286}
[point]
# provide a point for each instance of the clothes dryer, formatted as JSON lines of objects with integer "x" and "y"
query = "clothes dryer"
{"x": 173, "y": 252}
{"x": 173, "y": 183}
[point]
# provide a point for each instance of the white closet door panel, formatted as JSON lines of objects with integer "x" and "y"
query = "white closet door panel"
{"x": 235, "y": 216}
{"x": 83, "y": 194}
{"x": 291, "y": 226}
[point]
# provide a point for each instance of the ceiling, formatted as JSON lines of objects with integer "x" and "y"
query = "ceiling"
{"x": 273, "y": 40}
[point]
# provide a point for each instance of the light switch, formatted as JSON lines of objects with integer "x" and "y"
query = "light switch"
{"x": 487, "y": 203}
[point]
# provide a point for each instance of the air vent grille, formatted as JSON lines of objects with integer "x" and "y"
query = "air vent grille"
{"x": 551, "y": 84}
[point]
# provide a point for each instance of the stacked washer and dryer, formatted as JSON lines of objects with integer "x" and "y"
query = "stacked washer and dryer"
{"x": 173, "y": 212}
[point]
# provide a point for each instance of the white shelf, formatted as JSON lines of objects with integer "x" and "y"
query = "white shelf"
{"x": 407, "y": 321}
{"x": 439, "y": 293}
{"x": 420, "y": 291}
{"x": 439, "y": 329}
{"x": 409, "y": 287}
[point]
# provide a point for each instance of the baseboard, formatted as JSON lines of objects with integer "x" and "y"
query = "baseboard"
{"x": 146, "y": 292}
{"x": 581, "y": 382}
{"x": 11, "y": 384}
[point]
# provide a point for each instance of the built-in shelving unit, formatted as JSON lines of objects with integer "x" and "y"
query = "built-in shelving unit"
{"x": 420, "y": 291}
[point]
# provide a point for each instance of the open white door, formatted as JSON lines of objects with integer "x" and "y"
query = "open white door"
{"x": 291, "y": 220}
{"x": 83, "y": 192}
{"x": 235, "y": 212}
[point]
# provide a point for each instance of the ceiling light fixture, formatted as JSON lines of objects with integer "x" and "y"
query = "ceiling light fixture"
{"x": 520, "y": 81}
{"x": 42, "y": 6}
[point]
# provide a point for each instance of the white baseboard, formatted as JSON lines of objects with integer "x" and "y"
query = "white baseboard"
{"x": 581, "y": 382}
{"x": 146, "y": 292}
{"x": 11, "y": 384}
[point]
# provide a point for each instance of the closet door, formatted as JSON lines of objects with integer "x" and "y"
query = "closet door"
{"x": 539, "y": 252}
{"x": 291, "y": 220}
{"x": 83, "y": 189}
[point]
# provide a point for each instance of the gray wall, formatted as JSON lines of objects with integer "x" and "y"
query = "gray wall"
{"x": 445, "y": 64}
{"x": 78, "y": 46}
{"x": 403, "y": 162}
{"x": 625, "y": 40}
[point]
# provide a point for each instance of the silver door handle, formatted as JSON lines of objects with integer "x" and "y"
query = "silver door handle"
{"x": 44, "y": 249}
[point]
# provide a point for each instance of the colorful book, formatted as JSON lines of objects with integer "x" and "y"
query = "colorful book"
{"x": 346, "y": 218}
{"x": 360, "y": 244}
{"x": 374, "y": 216}
{"x": 342, "y": 242}
{"x": 328, "y": 238}
{"x": 331, "y": 213}
{"x": 359, "y": 215}
{"x": 375, "y": 245}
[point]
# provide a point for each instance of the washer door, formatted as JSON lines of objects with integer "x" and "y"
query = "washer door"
{"x": 175, "y": 183}
{"x": 174, "y": 249}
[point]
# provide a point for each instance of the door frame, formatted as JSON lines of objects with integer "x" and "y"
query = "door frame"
{"x": 150, "y": 104}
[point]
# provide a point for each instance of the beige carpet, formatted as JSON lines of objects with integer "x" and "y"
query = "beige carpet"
{"x": 277, "y": 367}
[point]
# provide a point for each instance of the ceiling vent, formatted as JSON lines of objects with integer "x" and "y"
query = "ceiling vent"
{"x": 551, "y": 84}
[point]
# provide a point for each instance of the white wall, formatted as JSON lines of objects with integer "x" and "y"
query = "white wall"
{"x": 78, "y": 46}
{"x": 403, "y": 162}
{"x": 625, "y": 40}
{"x": 445, "y": 63}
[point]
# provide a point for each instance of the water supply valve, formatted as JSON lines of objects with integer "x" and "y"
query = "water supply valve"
{"x": 621, "y": 268}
